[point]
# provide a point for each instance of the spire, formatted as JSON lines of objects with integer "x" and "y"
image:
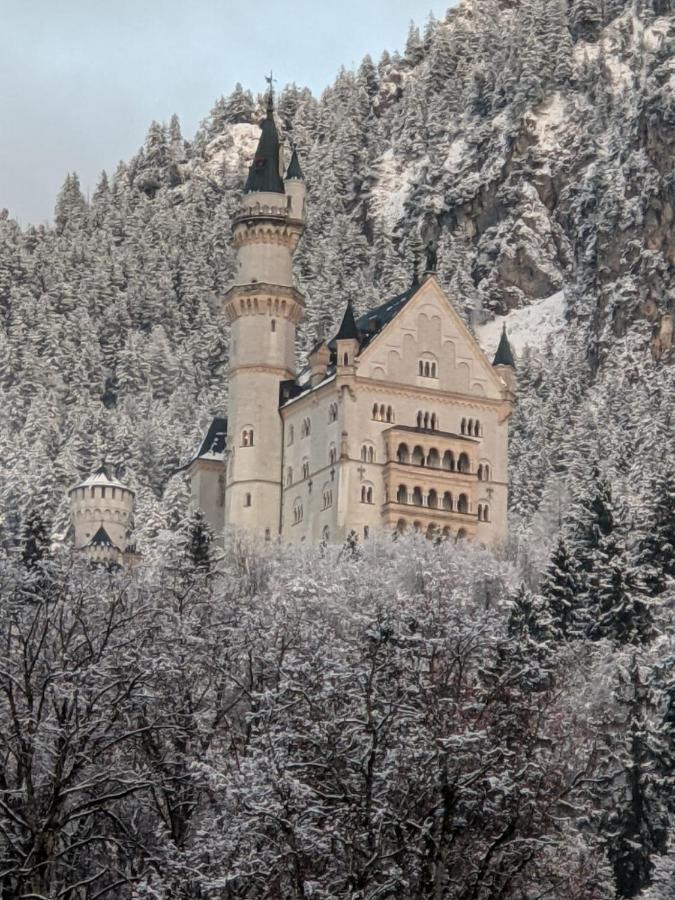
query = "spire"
{"x": 294, "y": 170}
{"x": 348, "y": 330}
{"x": 264, "y": 175}
{"x": 504, "y": 354}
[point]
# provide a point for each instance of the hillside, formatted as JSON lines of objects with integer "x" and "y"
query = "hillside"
{"x": 532, "y": 142}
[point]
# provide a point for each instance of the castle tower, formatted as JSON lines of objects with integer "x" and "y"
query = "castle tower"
{"x": 504, "y": 363}
{"x": 101, "y": 511}
{"x": 263, "y": 308}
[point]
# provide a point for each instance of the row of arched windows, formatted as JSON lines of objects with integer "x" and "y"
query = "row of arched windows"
{"x": 433, "y": 499}
{"x": 432, "y": 459}
{"x": 433, "y": 531}
{"x": 368, "y": 453}
{"x": 383, "y": 413}
{"x": 427, "y": 368}
{"x": 471, "y": 427}
{"x": 427, "y": 421}
{"x": 366, "y": 494}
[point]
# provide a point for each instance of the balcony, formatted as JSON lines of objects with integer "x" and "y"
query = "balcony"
{"x": 434, "y": 521}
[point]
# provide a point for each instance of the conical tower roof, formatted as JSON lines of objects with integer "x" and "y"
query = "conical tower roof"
{"x": 264, "y": 175}
{"x": 348, "y": 330}
{"x": 504, "y": 354}
{"x": 294, "y": 170}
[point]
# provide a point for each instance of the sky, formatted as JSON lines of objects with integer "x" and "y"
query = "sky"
{"x": 81, "y": 80}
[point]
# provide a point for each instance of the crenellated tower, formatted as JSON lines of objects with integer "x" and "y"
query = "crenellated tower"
{"x": 263, "y": 308}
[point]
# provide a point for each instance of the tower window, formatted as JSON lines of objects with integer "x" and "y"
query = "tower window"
{"x": 247, "y": 437}
{"x": 345, "y": 359}
{"x": 305, "y": 468}
{"x": 291, "y": 435}
{"x": 273, "y": 325}
{"x": 306, "y": 429}
{"x": 247, "y": 500}
{"x": 332, "y": 412}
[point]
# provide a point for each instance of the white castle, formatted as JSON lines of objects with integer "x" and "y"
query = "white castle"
{"x": 398, "y": 422}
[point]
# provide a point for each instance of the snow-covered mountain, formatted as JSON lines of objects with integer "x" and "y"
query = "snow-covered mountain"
{"x": 530, "y": 141}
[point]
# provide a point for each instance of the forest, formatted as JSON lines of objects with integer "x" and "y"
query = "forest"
{"x": 389, "y": 718}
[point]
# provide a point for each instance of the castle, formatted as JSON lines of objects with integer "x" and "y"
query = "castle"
{"x": 399, "y": 421}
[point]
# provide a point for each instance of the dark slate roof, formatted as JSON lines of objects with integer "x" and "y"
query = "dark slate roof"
{"x": 214, "y": 439}
{"x": 372, "y": 322}
{"x": 504, "y": 354}
{"x": 101, "y": 539}
{"x": 264, "y": 175}
{"x": 294, "y": 170}
{"x": 348, "y": 330}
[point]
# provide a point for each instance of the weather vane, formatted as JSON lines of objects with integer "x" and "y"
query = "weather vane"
{"x": 270, "y": 79}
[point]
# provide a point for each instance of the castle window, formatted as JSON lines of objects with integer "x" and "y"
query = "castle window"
{"x": 447, "y": 500}
{"x": 325, "y": 534}
{"x": 375, "y": 412}
{"x": 366, "y": 531}
{"x": 366, "y": 494}
{"x": 114, "y": 491}
{"x": 305, "y": 468}
{"x": 476, "y": 428}
{"x": 306, "y": 429}
{"x": 461, "y": 534}
{"x": 432, "y": 500}
{"x": 247, "y": 499}
{"x": 449, "y": 461}
{"x": 402, "y": 494}
{"x": 297, "y": 511}
{"x": 273, "y": 325}
{"x": 268, "y": 534}
{"x": 463, "y": 426}
{"x": 367, "y": 453}
{"x": 332, "y": 412}
{"x": 390, "y": 414}
{"x": 289, "y": 476}
{"x": 332, "y": 455}
{"x": 403, "y": 454}
{"x": 345, "y": 359}
{"x": 291, "y": 435}
{"x": 102, "y": 492}
{"x": 480, "y": 512}
{"x": 382, "y": 413}
{"x": 434, "y": 458}
{"x": 418, "y": 456}
{"x": 463, "y": 504}
{"x": 417, "y": 496}
{"x": 327, "y": 496}
{"x": 247, "y": 437}
{"x": 480, "y": 472}
{"x": 463, "y": 463}
{"x": 428, "y": 367}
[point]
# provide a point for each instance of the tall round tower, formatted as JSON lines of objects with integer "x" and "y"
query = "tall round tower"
{"x": 101, "y": 511}
{"x": 263, "y": 308}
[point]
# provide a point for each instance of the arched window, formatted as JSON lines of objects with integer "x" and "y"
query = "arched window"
{"x": 449, "y": 461}
{"x": 376, "y": 412}
{"x": 297, "y": 511}
{"x": 433, "y": 370}
{"x": 463, "y": 463}
{"x": 305, "y": 468}
{"x": 364, "y": 453}
{"x": 332, "y": 455}
{"x": 461, "y": 534}
{"x": 418, "y": 456}
{"x": 434, "y": 422}
{"x": 447, "y": 500}
{"x": 463, "y": 426}
{"x": 463, "y": 504}
{"x": 268, "y": 535}
{"x": 420, "y": 420}
{"x": 390, "y": 414}
{"x": 332, "y": 412}
{"x": 369, "y": 496}
{"x": 428, "y": 367}
{"x": 426, "y": 421}
{"x": 486, "y": 513}
{"x": 273, "y": 325}
{"x": 368, "y": 453}
{"x": 469, "y": 426}
{"x": 327, "y": 496}
{"x": 480, "y": 512}
{"x": 401, "y": 526}
{"x": 486, "y": 473}
{"x": 480, "y": 472}
{"x": 417, "y": 496}
{"x": 402, "y": 494}
{"x": 476, "y": 428}
{"x": 289, "y": 476}
{"x": 432, "y": 499}
{"x": 371, "y": 454}
{"x": 434, "y": 459}
{"x": 325, "y": 534}
{"x": 247, "y": 499}
{"x": 403, "y": 454}
{"x": 345, "y": 359}
{"x": 421, "y": 367}
{"x": 382, "y": 413}
{"x": 306, "y": 428}
{"x": 291, "y": 435}
{"x": 247, "y": 437}
{"x": 426, "y": 370}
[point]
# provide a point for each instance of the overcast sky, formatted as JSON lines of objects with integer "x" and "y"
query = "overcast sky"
{"x": 81, "y": 80}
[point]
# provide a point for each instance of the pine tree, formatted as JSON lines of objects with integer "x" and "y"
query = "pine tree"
{"x": 198, "y": 546}
{"x": 655, "y": 551}
{"x": 36, "y": 540}
{"x": 561, "y": 590}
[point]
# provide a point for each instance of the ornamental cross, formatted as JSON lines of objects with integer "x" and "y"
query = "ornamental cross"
{"x": 362, "y": 471}
{"x": 270, "y": 79}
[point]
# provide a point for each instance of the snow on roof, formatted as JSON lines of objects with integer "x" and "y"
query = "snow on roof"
{"x": 101, "y": 477}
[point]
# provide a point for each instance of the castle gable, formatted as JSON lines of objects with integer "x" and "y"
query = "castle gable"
{"x": 426, "y": 344}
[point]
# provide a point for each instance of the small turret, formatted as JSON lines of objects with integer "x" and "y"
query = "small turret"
{"x": 294, "y": 183}
{"x": 347, "y": 338}
{"x": 504, "y": 363}
{"x": 101, "y": 510}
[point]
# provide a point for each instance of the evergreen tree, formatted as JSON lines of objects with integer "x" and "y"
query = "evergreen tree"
{"x": 561, "y": 590}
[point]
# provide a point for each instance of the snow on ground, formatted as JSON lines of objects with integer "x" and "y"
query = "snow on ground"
{"x": 392, "y": 188}
{"x": 231, "y": 154}
{"x": 456, "y": 157}
{"x": 548, "y": 120}
{"x": 527, "y": 327}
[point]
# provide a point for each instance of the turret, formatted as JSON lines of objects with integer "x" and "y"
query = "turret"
{"x": 294, "y": 183}
{"x": 504, "y": 363}
{"x": 263, "y": 307}
{"x": 347, "y": 339}
{"x": 101, "y": 511}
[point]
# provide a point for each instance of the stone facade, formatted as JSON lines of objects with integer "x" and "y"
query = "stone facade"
{"x": 399, "y": 422}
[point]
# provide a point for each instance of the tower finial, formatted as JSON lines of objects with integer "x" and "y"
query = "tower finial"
{"x": 504, "y": 354}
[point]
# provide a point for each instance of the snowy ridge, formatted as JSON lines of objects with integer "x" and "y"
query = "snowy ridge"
{"x": 528, "y": 327}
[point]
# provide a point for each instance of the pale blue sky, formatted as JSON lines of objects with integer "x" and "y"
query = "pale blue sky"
{"x": 81, "y": 80}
